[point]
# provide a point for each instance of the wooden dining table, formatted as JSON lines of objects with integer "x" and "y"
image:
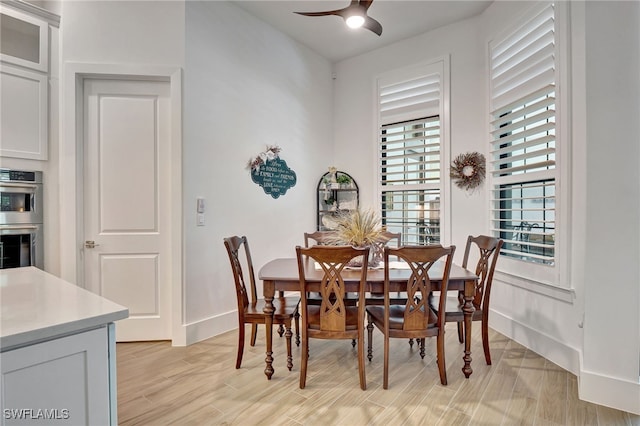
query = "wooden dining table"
{"x": 282, "y": 275}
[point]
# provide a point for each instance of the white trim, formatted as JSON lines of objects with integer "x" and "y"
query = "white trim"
{"x": 546, "y": 289}
{"x": 609, "y": 391}
{"x": 209, "y": 327}
{"x": 446, "y": 212}
{"x": 592, "y": 387}
{"x": 541, "y": 343}
{"x": 70, "y": 173}
{"x": 51, "y": 18}
{"x": 564, "y": 120}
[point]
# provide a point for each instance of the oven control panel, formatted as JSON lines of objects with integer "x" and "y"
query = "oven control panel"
{"x": 7, "y": 175}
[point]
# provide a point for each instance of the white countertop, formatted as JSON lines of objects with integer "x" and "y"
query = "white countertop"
{"x": 37, "y": 306}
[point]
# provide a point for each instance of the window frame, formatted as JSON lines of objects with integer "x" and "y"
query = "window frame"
{"x": 439, "y": 66}
{"x": 547, "y": 279}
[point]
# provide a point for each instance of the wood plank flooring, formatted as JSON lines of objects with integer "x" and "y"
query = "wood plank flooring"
{"x": 198, "y": 385}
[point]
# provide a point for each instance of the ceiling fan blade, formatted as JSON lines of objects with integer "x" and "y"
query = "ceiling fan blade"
{"x": 372, "y": 25}
{"x": 337, "y": 12}
{"x": 358, "y": 7}
{"x": 366, "y": 4}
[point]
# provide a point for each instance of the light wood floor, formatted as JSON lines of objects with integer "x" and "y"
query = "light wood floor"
{"x": 198, "y": 385}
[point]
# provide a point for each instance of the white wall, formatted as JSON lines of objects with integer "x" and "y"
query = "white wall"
{"x": 591, "y": 327}
{"x": 123, "y": 32}
{"x": 355, "y": 112}
{"x": 611, "y": 351}
{"x": 246, "y": 85}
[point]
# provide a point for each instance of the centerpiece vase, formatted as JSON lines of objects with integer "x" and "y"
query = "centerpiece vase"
{"x": 373, "y": 261}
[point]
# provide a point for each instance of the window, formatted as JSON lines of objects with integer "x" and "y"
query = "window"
{"x": 410, "y": 153}
{"x": 523, "y": 143}
{"x": 410, "y": 177}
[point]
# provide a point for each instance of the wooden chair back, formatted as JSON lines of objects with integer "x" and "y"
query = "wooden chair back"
{"x": 489, "y": 251}
{"x": 391, "y": 237}
{"x": 319, "y": 237}
{"x": 413, "y": 317}
{"x": 242, "y": 270}
{"x": 332, "y": 318}
{"x": 384, "y": 240}
{"x": 418, "y": 314}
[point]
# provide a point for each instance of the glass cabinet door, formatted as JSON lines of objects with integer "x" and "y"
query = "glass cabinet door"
{"x": 24, "y": 40}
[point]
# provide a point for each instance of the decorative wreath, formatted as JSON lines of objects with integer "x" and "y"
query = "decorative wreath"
{"x": 468, "y": 170}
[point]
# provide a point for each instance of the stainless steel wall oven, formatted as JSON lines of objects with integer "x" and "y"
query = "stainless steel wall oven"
{"x": 21, "y": 219}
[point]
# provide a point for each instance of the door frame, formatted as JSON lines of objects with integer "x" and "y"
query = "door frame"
{"x": 71, "y": 172}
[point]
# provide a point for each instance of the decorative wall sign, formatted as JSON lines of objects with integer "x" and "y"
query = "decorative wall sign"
{"x": 468, "y": 170}
{"x": 271, "y": 172}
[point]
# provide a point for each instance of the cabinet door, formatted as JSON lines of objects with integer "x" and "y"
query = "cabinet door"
{"x": 24, "y": 40}
{"x": 62, "y": 381}
{"x": 23, "y": 113}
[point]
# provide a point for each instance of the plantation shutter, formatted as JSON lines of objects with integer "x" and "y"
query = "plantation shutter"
{"x": 410, "y": 156}
{"x": 523, "y": 138}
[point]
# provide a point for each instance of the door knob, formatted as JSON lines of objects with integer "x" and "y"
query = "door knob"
{"x": 90, "y": 244}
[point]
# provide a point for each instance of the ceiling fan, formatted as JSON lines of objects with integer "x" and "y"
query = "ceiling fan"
{"x": 355, "y": 15}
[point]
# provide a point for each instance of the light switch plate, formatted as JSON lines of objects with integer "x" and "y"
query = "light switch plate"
{"x": 200, "y": 205}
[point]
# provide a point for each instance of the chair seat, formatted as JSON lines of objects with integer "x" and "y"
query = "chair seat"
{"x": 378, "y": 299}
{"x": 314, "y": 317}
{"x": 396, "y": 316}
{"x": 454, "y": 311}
{"x": 284, "y": 308}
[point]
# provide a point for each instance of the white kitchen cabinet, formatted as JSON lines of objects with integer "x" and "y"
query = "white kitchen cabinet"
{"x": 57, "y": 351}
{"x": 63, "y": 381}
{"x": 25, "y": 37}
{"x": 23, "y": 113}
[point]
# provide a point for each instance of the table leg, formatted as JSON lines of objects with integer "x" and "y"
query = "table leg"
{"x": 269, "y": 291}
{"x": 468, "y": 309}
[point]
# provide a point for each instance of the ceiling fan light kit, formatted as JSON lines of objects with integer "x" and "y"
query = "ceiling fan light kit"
{"x": 355, "y": 21}
{"x": 355, "y": 15}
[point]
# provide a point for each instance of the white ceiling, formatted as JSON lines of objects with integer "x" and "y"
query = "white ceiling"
{"x": 330, "y": 37}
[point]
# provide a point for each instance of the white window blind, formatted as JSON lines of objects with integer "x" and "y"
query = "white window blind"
{"x": 410, "y": 157}
{"x": 523, "y": 139}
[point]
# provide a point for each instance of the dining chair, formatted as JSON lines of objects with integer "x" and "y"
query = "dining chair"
{"x": 489, "y": 251}
{"x": 250, "y": 308}
{"x": 319, "y": 237}
{"x": 415, "y": 319}
{"x": 386, "y": 238}
{"x": 332, "y": 318}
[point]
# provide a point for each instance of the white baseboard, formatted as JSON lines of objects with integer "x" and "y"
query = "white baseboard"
{"x": 542, "y": 344}
{"x": 609, "y": 391}
{"x": 592, "y": 387}
{"x": 209, "y": 327}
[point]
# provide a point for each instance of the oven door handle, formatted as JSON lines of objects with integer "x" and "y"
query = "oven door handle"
{"x": 18, "y": 185}
{"x": 15, "y": 227}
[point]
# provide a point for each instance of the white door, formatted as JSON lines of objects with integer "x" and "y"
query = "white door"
{"x": 127, "y": 201}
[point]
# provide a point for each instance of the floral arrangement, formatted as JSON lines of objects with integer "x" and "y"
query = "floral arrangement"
{"x": 359, "y": 228}
{"x": 468, "y": 170}
{"x": 271, "y": 153}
